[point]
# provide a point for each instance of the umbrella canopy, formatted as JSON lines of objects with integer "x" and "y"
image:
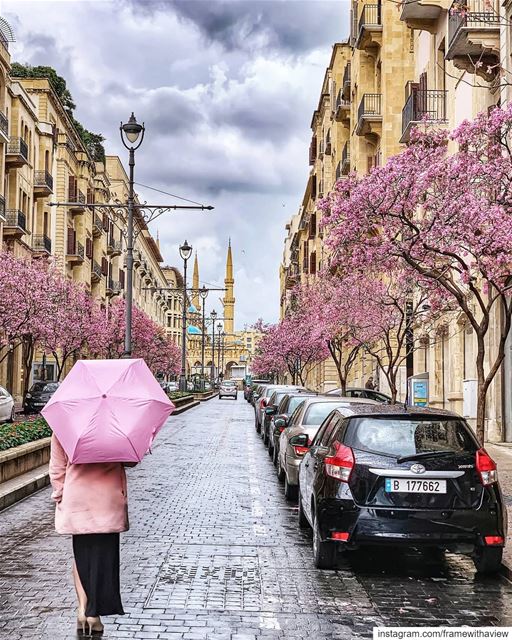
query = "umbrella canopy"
{"x": 107, "y": 411}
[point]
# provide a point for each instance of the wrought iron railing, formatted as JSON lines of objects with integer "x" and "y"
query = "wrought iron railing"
{"x": 370, "y": 105}
{"x": 43, "y": 178}
{"x": 479, "y": 14}
{"x": 75, "y": 195}
{"x": 42, "y": 243}
{"x": 424, "y": 104}
{"x": 370, "y": 16}
{"x": 4, "y": 124}
{"x": 114, "y": 285}
{"x": 96, "y": 269}
{"x": 345, "y": 155}
{"x": 98, "y": 223}
{"x": 17, "y": 146}
{"x": 15, "y": 218}
{"x": 2, "y": 207}
{"x": 346, "y": 76}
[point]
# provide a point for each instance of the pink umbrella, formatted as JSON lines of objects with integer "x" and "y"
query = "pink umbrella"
{"x": 108, "y": 411}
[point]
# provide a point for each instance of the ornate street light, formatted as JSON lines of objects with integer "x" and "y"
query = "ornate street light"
{"x": 219, "y": 329}
{"x": 203, "y": 294}
{"x": 185, "y": 253}
{"x": 130, "y": 134}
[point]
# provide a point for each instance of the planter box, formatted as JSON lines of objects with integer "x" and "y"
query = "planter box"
{"x": 27, "y": 457}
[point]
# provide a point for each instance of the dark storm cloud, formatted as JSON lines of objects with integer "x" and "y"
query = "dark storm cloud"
{"x": 290, "y": 26}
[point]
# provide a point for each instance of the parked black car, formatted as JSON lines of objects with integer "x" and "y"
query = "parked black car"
{"x": 397, "y": 476}
{"x": 38, "y": 395}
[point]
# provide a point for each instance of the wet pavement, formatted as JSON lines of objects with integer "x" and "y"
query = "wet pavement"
{"x": 214, "y": 552}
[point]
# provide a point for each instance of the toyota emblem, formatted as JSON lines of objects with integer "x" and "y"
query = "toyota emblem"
{"x": 418, "y": 468}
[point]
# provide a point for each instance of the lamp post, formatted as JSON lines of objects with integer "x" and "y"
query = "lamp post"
{"x": 204, "y": 294}
{"x": 132, "y": 135}
{"x": 185, "y": 253}
{"x": 213, "y": 316}
{"x": 223, "y": 348}
{"x": 219, "y": 329}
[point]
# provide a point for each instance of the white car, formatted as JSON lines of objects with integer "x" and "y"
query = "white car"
{"x": 228, "y": 389}
{"x": 7, "y": 413}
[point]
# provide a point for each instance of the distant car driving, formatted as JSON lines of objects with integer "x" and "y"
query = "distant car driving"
{"x": 228, "y": 389}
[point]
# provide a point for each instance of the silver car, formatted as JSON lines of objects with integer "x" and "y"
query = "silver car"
{"x": 228, "y": 389}
{"x": 293, "y": 445}
{"x": 7, "y": 413}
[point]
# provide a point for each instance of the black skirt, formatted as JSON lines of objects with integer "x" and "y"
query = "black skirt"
{"x": 97, "y": 561}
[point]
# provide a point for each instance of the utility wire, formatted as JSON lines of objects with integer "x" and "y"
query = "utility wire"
{"x": 168, "y": 194}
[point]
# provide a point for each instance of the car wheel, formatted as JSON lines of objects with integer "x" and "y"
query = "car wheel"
{"x": 488, "y": 559}
{"x": 290, "y": 490}
{"x": 270, "y": 450}
{"x": 324, "y": 553}
{"x": 13, "y": 416}
{"x": 265, "y": 437}
{"x": 303, "y": 521}
{"x": 275, "y": 456}
{"x": 280, "y": 472}
{"x": 257, "y": 426}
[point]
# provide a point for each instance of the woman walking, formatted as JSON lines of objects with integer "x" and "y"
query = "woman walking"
{"x": 92, "y": 506}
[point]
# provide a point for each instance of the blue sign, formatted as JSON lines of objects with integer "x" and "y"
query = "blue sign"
{"x": 420, "y": 393}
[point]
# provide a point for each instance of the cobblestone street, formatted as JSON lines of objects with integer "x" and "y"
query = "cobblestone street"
{"x": 214, "y": 552}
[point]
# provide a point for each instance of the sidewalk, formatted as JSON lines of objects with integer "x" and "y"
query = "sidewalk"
{"x": 502, "y": 455}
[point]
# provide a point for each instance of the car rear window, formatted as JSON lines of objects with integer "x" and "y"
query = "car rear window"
{"x": 404, "y": 437}
{"x": 317, "y": 412}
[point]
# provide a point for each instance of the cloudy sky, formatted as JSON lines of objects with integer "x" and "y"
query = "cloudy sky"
{"x": 226, "y": 90}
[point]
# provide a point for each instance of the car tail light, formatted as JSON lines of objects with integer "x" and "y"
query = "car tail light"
{"x": 486, "y": 467}
{"x": 263, "y": 403}
{"x": 300, "y": 451}
{"x": 341, "y": 464}
{"x": 494, "y": 540}
{"x": 340, "y": 535}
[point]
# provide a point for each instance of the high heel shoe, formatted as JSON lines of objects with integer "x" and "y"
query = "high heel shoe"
{"x": 81, "y": 621}
{"x": 95, "y": 626}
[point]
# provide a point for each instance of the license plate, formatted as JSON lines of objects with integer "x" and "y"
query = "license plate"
{"x": 409, "y": 485}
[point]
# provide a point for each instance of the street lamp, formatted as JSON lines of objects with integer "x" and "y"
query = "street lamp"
{"x": 204, "y": 294}
{"x": 132, "y": 135}
{"x": 185, "y": 253}
{"x": 219, "y": 329}
{"x": 213, "y": 316}
{"x": 223, "y": 349}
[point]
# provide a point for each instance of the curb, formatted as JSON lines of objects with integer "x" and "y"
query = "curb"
{"x": 21, "y": 487}
{"x": 506, "y": 571}
{"x": 185, "y": 407}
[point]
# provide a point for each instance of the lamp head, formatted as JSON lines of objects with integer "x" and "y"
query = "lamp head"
{"x": 185, "y": 251}
{"x": 132, "y": 129}
{"x": 204, "y": 293}
{"x": 214, "y": 315}
{"x": 219, "y": 326}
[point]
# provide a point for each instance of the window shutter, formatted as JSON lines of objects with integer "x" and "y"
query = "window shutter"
{"x": 312, "y": 225}
{"x": 88, "y": 248}
{"x": 313, "y": 186}
{"x": 105, "y": 222}
{"x": 104, "y": 266}
{"x": 121, "y": 278}
{"x": 71, "y": 241}
{"x": 312, "y": 262}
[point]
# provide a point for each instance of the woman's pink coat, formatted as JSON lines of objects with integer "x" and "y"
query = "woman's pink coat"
{"x": 90, "y": 498}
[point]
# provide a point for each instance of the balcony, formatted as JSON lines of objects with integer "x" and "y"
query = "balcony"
{"x": 42, "y": 245}
{"x": 75, "y": 253}
{"x": 97, "y": 226}
{"x": 15, "y": 223}
{"x": 17, "y": 153}
{"x": 342, "y": 112}
{"x": 423, "y": 14}
{"x": 96, "y": 272}
{"x": 4, "y": 128}
{"x": 423, "y": 107}
{"x": 345, "y": 89}
{"x": 143, "y": 267}
{"x": 76, "y": 197}
{"x": 114, "y": 247}
{"x": 369, "y": 116}
{"x": 113, "y": 288}
{"x": 43, "y": 184}
{"x": 345, "y": 159}
{"x": 136, "y": 257}
{"x": 369, "y": 28}
{"x": 474, "y": 37}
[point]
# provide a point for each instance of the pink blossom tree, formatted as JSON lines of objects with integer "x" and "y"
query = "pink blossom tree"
{"x": 445, "y": 217}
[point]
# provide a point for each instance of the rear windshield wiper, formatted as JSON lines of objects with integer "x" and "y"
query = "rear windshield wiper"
{"x": 425, "y": 454}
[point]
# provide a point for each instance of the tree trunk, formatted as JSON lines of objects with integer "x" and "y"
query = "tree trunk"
{"x": 28, "y": 357}
{"x": 481, "y": 390}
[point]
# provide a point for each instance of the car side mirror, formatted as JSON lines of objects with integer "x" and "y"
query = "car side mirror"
{"x": 280, "y": 422}
{"x": 270, "y": 410}
{"x": 321, "y": 452}
{"x": 301, "y": 440}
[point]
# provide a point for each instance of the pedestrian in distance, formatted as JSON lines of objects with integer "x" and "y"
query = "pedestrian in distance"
{"x": 370, "y": 384}
{"x": 91, "y": 505}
